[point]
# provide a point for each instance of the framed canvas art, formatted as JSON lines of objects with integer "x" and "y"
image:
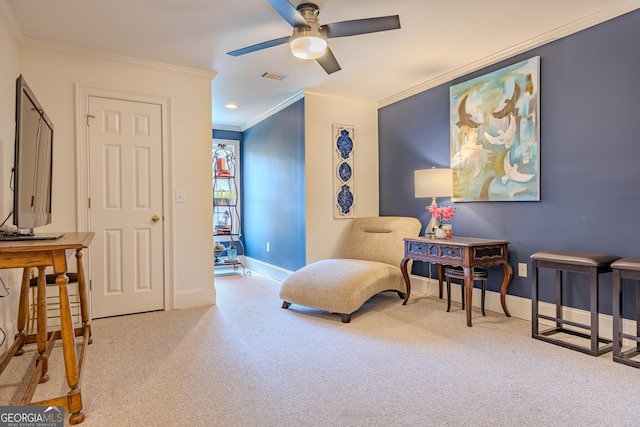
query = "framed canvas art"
{"x": 495, "y": 135}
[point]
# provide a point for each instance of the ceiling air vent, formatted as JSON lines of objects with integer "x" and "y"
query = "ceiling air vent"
{"x": 272, "y": 76}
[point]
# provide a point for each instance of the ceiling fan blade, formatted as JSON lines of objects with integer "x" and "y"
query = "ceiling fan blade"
{"x": 259, "y": 46}
{"x": 362, "y": 26}
{"x": 329, "y": 62}
{"x": 289, "y": 13}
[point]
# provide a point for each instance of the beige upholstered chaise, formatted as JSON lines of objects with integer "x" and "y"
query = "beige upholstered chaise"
{"x": 370, "y": 264}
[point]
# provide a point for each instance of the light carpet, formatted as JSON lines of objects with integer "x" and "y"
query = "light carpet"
{"x": 247, "y": 362}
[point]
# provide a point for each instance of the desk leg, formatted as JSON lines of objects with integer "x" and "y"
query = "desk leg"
{"x": 23, "y": 310}
{"x": 506, "y": 280}
{"x": 41, "y": 336}
{"x": 468, "y": 291}
{"x": 82, "y": 290}
{"x": 69, "y": 350}
{"x": 440, "y": 276}
{"x": 407, "y": 281}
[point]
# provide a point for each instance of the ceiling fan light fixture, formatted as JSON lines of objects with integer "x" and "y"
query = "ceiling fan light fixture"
{"x": 307, "y": 43}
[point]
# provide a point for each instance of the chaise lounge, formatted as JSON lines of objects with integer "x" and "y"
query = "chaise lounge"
{"x": 369, "y": 264}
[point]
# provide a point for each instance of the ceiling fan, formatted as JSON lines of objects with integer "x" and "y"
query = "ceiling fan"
{"x": 309, "y": 38}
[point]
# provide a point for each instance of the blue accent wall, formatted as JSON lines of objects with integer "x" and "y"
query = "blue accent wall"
{"x": 227, "y": 134}
{"x": 273, "y": 177}
{"x": 590, "y": 152}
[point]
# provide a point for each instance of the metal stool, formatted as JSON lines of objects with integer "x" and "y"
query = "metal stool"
{"x": 592, "y": 264}
{"x": 457, "y": 273}
{"x": 627, "y": 268}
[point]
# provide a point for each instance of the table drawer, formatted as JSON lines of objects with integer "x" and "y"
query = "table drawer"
{"x": 428, "y": 250}
{"x": 416, "y": 248}
{"x": 451, "y": 252}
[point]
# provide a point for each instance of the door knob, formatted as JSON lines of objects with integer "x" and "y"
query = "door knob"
{"x": 155, "y": 218}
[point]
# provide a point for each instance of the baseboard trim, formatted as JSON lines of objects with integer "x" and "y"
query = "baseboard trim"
{"x": 194, "y": 298}
{"x": 518, "y": 306}
{"x": 277, "y": 273}
{"x": 521, "y": 307}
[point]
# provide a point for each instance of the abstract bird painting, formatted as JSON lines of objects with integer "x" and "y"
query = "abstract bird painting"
{"x": 494, "y": 135}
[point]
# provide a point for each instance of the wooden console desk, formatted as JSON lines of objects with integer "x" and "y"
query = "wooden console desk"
{"x": 465, "y": 252}
{"x": 41, "y": 254}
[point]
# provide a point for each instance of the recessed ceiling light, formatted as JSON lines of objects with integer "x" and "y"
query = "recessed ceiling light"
{"x": 231, "y": 106}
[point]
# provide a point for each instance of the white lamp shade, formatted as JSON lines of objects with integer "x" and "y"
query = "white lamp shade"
{"x": 308, "y": 47}
{"x": 434, "y": 182}
{"x": 308, "y": 43}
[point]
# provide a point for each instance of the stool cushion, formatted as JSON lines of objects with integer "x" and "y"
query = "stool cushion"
{"x": 627, "y": 264}
{"x": 50, "y": 279}
{"x": 588, "y": 259}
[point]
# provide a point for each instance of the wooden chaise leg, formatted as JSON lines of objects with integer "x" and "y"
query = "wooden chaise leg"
{"x": 402, "y": 295}
{"x": 286, "y": 304}
{"x": 346, "y": 318}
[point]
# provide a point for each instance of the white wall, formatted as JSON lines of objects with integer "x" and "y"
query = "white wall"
{"x": 324, "y": 233}
{"x": 9, "y": 71}
{"x": 52, "y": 75}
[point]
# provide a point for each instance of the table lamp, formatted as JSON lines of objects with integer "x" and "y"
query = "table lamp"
{"x": 433, "y": 183}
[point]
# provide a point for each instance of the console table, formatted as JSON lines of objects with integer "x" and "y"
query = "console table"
{"x": 42, "y": 254}
{"x": 465, "y": 252}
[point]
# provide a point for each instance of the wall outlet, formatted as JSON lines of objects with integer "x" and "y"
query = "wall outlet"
{"x": 180, "y": 196}
{"x": 268, "y": 247}
{"x": 522, "y": 269}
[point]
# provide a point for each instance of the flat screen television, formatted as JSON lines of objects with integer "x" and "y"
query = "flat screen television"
{"x": 32, "y": 170}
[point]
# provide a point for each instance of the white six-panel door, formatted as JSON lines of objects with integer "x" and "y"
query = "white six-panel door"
{"x": 125, "y": 172}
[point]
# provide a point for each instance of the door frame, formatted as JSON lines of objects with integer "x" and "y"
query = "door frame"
{"x": 82, "y": 95}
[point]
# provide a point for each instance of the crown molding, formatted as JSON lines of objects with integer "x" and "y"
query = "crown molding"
{"x": 195, "y": 72}
{"x": 216, "y": 126}
{"x": 583, "y": 23}
{"x": 281, "y": 106}
{"x": 287, "y": 102}
{"x": 338, "y": 98}
{"x": 7, "y": 16}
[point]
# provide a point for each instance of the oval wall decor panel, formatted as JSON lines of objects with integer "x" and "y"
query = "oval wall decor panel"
{"x": 344, "y": 176}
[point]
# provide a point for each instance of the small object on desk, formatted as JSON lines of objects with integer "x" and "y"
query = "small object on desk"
{"x": 441, "y": 233}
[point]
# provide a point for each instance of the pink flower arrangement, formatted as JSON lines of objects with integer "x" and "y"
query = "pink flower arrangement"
{"x": 442, "y": 213}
